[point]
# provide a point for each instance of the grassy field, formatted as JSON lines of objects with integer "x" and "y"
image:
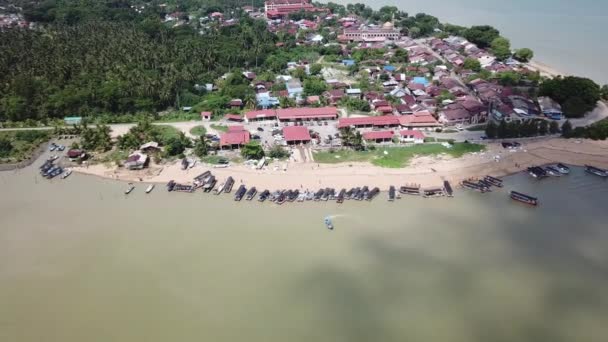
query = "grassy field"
{"x": 16, "y": 146}
{"x": 220, "y": 128}
{"x": 395, "y": 157}
{"x": 197, "y": 131}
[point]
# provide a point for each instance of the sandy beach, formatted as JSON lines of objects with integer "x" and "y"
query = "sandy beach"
{"x": 544, "y": 69}
{"x": 426, "y": 171}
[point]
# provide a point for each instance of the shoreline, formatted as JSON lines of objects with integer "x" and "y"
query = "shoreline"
{"x": 424, "y": 171}
{"x": 544, "y": 69}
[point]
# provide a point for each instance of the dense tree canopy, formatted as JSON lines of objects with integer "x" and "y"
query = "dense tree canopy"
{"x": 524, "y": 55}
{"x": 501, "y": 47}
{"x": 577, "y": 95}
{"x": 472, "y": 64}
{"x": 125, "y": 65}
{"x": 482, "y": 36}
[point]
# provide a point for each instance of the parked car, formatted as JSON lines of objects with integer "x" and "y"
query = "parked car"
{"x": 260, "y": 129}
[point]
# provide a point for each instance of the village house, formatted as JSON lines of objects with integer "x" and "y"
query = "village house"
{"x": 206, "y": 116}
{"x": 136, "y": 161}
{"x": 411, "y": 136}
{"x": 550, "y": 108}
{"x": 334, "y": 96}
{"x": 378, "y": 136}
{"x": 234, "y": 139}
{"x": 295, "y": 135}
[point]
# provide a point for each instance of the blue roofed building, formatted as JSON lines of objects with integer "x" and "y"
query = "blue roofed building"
{"x": 265, "y": 101}
{"x": 389, "y": 68}
{"x": 421, "y": 80}
{"x": 550, "y": 108}
{"x": 348, "y": 62}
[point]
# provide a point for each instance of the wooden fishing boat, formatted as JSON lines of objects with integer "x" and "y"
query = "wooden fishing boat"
{"x": 432, "y": 192}
{"x": 410, "y": 190}
{"x": 171, "y": 185}
{"x": 66, "y": 174}
{"x": 473, "y": 186}
{"x": 497, "y": 182}
{"x": 564, "y": 169}
{"x": 328, "y": 224}
{"x": 523, "y": 198}
{"x": 596, "y": 171}
{"x": 372, "y": 194}
{"x": 240, "y": 192}
{"x": 149, "y": 188}
{"x": 551, "y": 171}
{"x": 447, "y": 188}
{"x": 391, "y": 194}
{"x": 341, "y": 194}
{"x": 264, "y": 196}
{"x": 251, "y": 194}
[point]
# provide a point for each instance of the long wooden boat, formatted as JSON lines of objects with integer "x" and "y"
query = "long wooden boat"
{"x": 410, "y": 190}
{"x": 551, "y": 171}
{"x": 150, "y": 188}
{"x": 228, "y": 185}
{"x": 473, "y": 186}
{"x": 564, "y": 169}
{"x": 219, "y": 189}
{"x": 372, "y": 194}
{"x": 171, "y": 185}
{"x": 596, "y": 171}
{"x": 523, "y": 198}
{"x": 447, "y": 188}
{"x": 282, "y": 198}
{"x": 391, "y": 193}
{"x": 240, "y": 192}
{"x": 497, "y": 182}
{"x": 251, "y": 194}
{"x": 264, "y": 196}
{"x": 432, "y": 192}
{"x": 341, "y": 194}
{"x": 537, "y": 172}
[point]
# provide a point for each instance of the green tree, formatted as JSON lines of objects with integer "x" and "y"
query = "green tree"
{"x": 314, "y": 86}
{"x": 604, "y": 92}
{"x": 482, "y": 36}
{"x": 176, "y": 145}
{"x": 567, "y": 129}
{"x": 201, "y": 147}
{"x": 315, "y": 69}
{"x": 553, "y": 127}
{"x": 502, "y": 130}
{"x": 491, "y": 130}
{"x": 252, "y": 150}
{"x": 577, "y": 95}
{"x": 543, "y": 127}
{"x": 277, "y": 151}
{"x": 472, "y": 64}
{"x": 524, "y": 55}
{"x": 6, "y": 147}
{"x": 501, "y": 47}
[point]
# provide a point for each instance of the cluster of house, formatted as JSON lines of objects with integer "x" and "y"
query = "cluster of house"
{"x": 13, "y": 20}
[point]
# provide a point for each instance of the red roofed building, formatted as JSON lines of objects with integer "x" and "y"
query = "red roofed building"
{"x": 302, "y": 114}
{"x": 419, "y": 120}
{"x": 233, "y": 117}
{"x": 206, "y": 116}
{"x": 296, "y": 135}
{"x": 370, "y": 121}
{"x": 379, "y": 136}
{"x": 411, "y": 136}
{"x": 259, "y": 115}
{"x": 276, "y": 9}
{"x": 234, "y": 139}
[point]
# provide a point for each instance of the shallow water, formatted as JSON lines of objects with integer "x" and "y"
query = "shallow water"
{"x": 567, "y": 35}
{"x": 80, "y": 261}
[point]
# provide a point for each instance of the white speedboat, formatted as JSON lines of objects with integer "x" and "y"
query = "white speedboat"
{"x": 150, "y": 188}
{"x": 66, "y": 174}
{"x": 130, "y": 189}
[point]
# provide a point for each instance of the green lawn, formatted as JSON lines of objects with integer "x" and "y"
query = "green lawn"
{"x": 220, "y": 128}
{"x": 396, "y": 157}
{"x": 197, "y": 131}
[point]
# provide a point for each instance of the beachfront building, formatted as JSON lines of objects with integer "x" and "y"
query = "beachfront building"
{"x": 371, "y": 34}
{"x": 295, "y": 135}
{"x": 136, "y": 161}
{"x": 379, "y": 137}
{"x": 411, "y": 136}
{"x": 206, "y": 116}
{"x": 550, "y": 108}
{"x": 422, "y": 120}
{"x": 234, "y": 138}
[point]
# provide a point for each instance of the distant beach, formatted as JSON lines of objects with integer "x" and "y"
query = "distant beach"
{"x": 426, "y": 171}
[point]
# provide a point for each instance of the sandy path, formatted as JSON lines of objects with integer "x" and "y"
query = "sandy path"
{"x": 427, "y": 171}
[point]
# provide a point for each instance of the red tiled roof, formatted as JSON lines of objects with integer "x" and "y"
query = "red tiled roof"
{"x": 408, "y": 132}
{"x": 236, "y": 128}
{"x": 296, "y": 133}
{"x": 234, "y": 138}
{"x": 307, "y": 113}
{"x": 206, "y": 114}
{"x": 378, "y": 135}
{"x": 385, "y": 120}
{"x": 419, "y": 119}
{"x": 258, "y": 114}
{"x": 385, "y": 109}
{"x": 233, "y": 117}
